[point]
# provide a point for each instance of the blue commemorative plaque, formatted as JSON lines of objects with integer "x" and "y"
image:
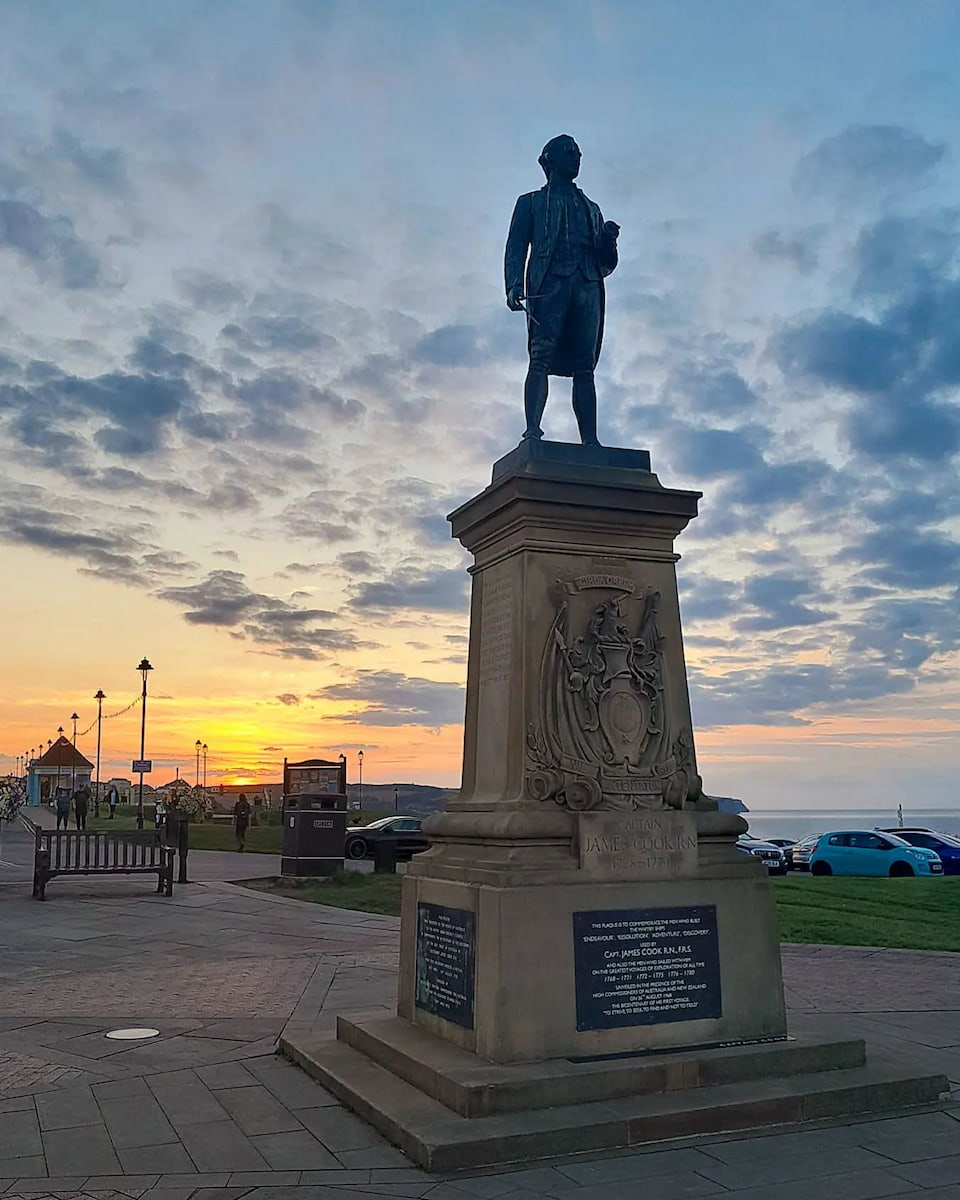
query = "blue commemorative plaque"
{"x": 646, "y": 966}
{"x": 446, "y": 958}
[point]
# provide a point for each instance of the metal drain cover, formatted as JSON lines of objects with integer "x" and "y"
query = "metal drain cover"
{"x": 132, "y": 1035}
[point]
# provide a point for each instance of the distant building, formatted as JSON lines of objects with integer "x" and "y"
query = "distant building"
{"x": 62, "y": 766}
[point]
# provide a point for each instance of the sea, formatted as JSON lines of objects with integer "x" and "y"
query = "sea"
{"x": 798, "y": 822}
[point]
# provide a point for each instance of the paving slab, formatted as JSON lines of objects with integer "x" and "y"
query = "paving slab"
{"x": 86, "y": 1150}
{"x": 221, "y": 1146}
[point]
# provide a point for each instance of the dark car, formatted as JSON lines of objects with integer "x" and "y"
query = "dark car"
{"x": 946, "y": 846}
{"x": 400, "y": 834}
{"x": 771, "y": 856}
{"x": 786, "y": 845}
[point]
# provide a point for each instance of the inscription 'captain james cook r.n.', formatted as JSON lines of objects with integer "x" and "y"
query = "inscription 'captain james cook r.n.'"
{"x": 662, "y": 843}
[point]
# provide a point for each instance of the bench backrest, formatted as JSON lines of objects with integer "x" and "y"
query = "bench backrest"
{"x": 78, "y": 850}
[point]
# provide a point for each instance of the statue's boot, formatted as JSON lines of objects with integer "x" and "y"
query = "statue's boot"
{"x": 585, "y": 407}
{"x": 534, "y": 402}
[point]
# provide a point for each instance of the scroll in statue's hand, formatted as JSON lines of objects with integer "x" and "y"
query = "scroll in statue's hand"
{"x": 515, "y": 299}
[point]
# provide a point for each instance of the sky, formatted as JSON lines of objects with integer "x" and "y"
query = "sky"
{"x": 254, "y": 348}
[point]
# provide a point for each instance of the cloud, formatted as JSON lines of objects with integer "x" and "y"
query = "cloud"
{"x": 708, "y": 389}
{"x": 224, "y": 599}
{"x": 283, "y": 333}
{"x": 800, "y": 249}
{"x": 867, "y": 158}
{"x": 452, "y": 346}
{"x": 49, "y": 243}
{"x": 779, "y": 603}
{"x": 208, "y": 291}
{"x": 390, "y": 698}
{"x": 777, "y": 695}
{"x": 438, "y": 590}
{"x": 843, "y": 350}
{"x": 357, "y": 562}
{"x": 289, "y": 699}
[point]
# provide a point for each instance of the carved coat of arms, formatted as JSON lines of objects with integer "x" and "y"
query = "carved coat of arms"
{"x": 604, "y": 739}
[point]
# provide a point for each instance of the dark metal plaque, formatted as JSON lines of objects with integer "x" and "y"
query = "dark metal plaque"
{"x": 646, "y": 966}
{"x": 446, "y": 962}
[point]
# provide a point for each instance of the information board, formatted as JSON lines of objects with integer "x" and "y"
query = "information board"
{"x": 446, "y": 962}
{"x": 646, "y": 966}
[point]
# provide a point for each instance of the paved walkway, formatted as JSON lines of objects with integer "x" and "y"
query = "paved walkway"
{"x": 206, "y": 1110}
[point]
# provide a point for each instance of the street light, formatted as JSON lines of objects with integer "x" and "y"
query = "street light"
{"x": 59, "y": 756}
{"x": 396, "y": 798}
{"x": 144, "y": 668}
{"x": 360, "y": 761}
{"x": 204, "y": 767}
{"x": 99, "y": 697}
{"x": 73, "y": 765}
{"x": 199, "y": 744}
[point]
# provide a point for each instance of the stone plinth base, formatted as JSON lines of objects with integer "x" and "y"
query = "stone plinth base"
{"x": 561, "y": 967}
{"x": 447, "y": 1109}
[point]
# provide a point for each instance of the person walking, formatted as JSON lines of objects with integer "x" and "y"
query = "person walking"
{"x": 81, "y": 806}
{"x": 62, "y": 803}
{"x": 113, "y": 799}
{"x": 160, "y": 812}
{"x": 241, "y": 820}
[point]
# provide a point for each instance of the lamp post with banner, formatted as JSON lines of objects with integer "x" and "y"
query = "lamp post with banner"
{"x": 99, "y": 697}
{"x": 74, "y": 717}
{"x": 144, "y": 668}
{"x": 204, "y": 768}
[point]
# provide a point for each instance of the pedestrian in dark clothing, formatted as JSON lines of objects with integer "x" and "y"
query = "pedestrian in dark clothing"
{"x": 241, "y": 820}
{"x": 113, "y": 799}
{"x": 80, "y": 803}
{"x": 63, "y": 808}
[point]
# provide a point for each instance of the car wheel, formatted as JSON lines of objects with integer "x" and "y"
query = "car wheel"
{"x": 900, "y": 870}
{"x": 821, "y": 868}
{"x": 356, "y": 848}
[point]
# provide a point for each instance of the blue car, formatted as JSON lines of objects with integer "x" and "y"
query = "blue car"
{"x": 943, "y": 844}
{"x": 871, "y": 852}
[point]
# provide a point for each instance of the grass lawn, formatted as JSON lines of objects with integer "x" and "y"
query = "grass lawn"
{"x": 366, "y": 893}
{"x": 915, "y": 914}
{"x": 211, "y": 835}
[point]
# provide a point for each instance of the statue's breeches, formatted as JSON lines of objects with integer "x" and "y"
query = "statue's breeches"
{"x": 564, "y": 329}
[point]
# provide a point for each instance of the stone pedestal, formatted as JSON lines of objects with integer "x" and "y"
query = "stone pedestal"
{"x": 605, "y": 905}
{"x": 583, "y": 903}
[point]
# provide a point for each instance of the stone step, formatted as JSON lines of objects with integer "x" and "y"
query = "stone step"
{"x": 474, "y": 1087}
{"x": 439, "y": 1139}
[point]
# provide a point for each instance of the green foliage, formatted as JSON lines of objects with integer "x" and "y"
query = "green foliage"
{"x": 915, "y": 914}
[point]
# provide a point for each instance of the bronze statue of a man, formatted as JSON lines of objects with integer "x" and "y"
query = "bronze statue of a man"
{"x": 571, "y": 250}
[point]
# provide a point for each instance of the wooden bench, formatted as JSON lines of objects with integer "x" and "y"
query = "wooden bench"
{"x": 100, "y": 852}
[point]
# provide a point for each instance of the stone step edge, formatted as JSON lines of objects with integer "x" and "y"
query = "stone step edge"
{"x": 472, "y": 1087}
{"x": 439, "y": 1140}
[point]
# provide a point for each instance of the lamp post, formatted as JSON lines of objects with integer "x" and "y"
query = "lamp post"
{"x": 204, "y": 768}
{"x": 396, "y": 798}
{"x": 360, "y": 762}
{"x": 199, "y": 745}
{"x": 99, "y": 697}
{"x": 73, "y": 765}
{"x": 144, "y": 668}
{"x": 59, "y": 737}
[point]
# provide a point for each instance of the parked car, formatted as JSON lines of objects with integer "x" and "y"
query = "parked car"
{"x": 802, "y": 851}
{"x": 771, "y": 856}
{"x": 869, "y": 852}
{"x": 786, "y": 845}
{"x": 402, "y": 834}
{"x": 944, "y": 845}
